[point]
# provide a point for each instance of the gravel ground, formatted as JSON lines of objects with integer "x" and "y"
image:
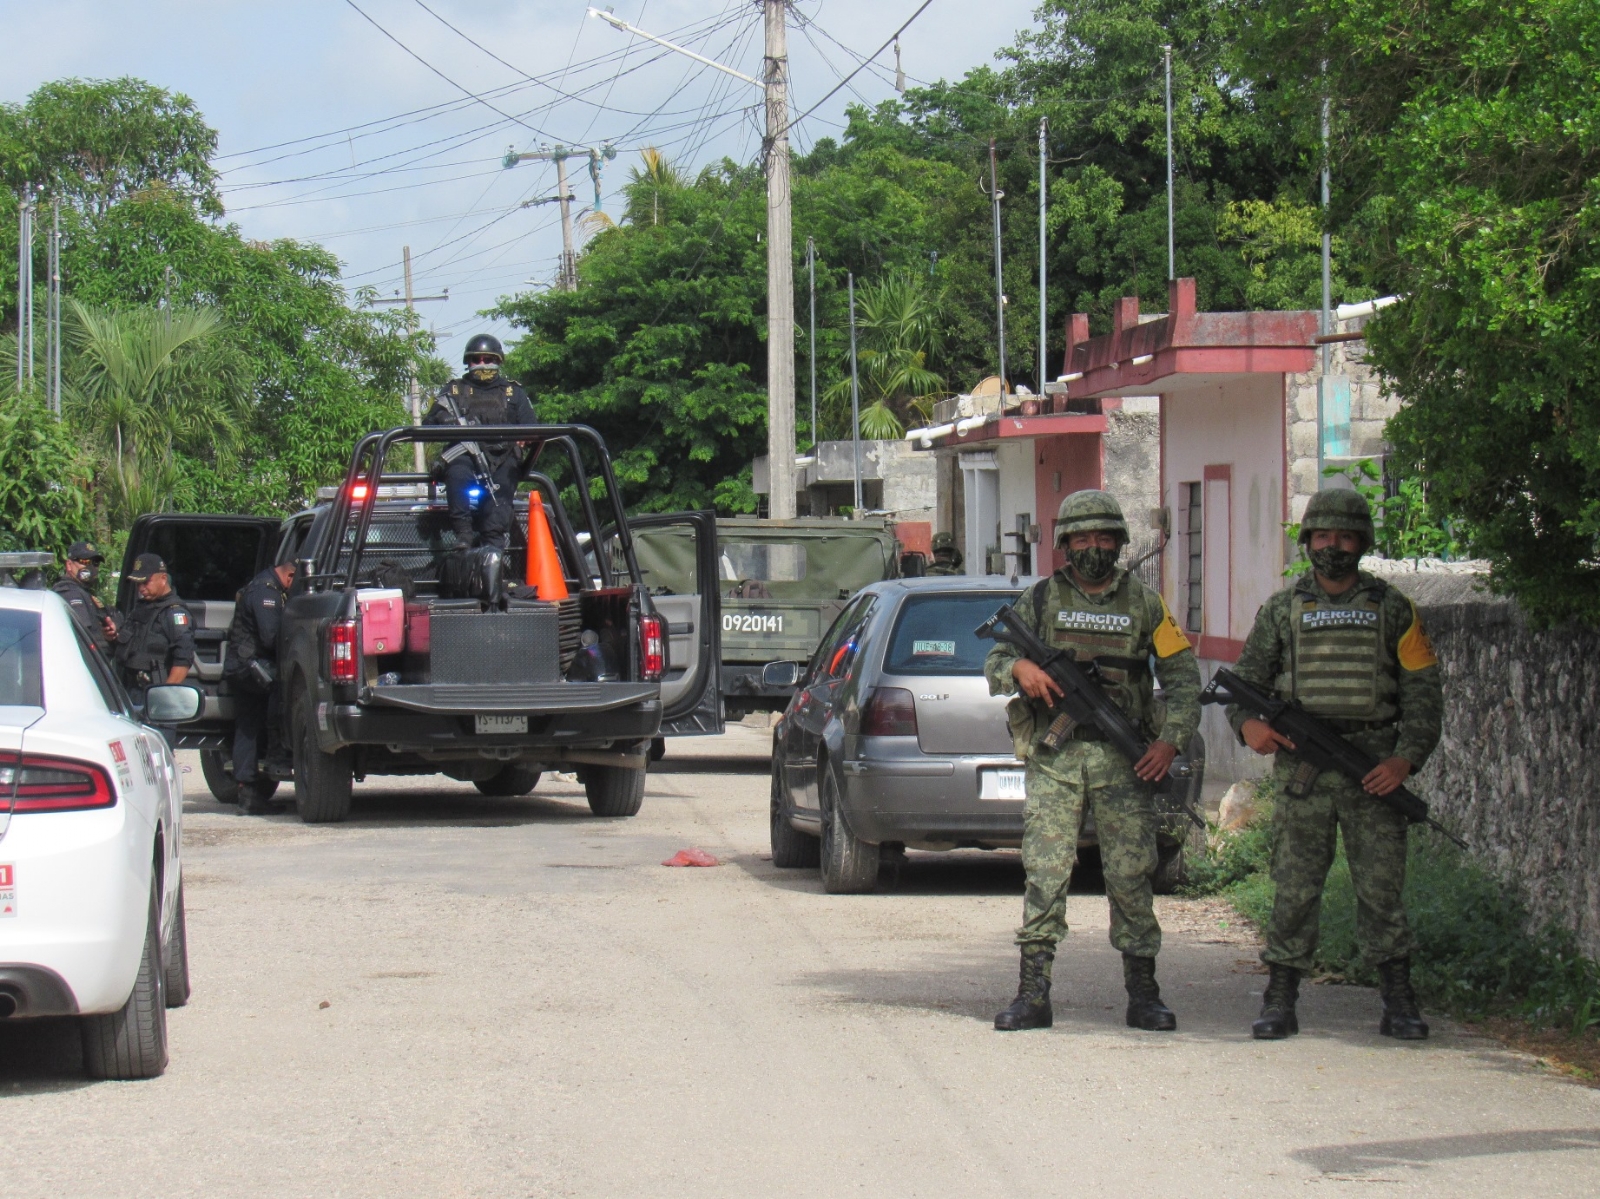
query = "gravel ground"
{"x": 451, "y": 995}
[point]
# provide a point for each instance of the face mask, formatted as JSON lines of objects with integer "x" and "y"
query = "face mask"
{"x": 88, "y": 574}
{"x": 485, "y": 374}
{"x": 1331, "y": 562}
{"x": 1094, "y": 564}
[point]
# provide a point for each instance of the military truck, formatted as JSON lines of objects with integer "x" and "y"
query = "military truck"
{"x": 781, "y": 581}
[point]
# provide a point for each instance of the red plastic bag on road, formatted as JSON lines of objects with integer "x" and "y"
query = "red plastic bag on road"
{"x": 691, "y": 857}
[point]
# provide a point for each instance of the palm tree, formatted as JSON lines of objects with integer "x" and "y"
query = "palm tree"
{"x": 899, "y": 323}
{"x": 144, "y": 384}
{"x": 650, "y": 189}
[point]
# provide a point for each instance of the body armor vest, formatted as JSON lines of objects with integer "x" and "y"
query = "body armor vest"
{"x": 1111, "y": 635}
{"x": 1339, "y": 663}
{"x": 145, "y": 652}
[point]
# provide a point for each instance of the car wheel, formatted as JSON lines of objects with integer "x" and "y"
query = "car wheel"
{"x": 132, "y": 1042}
{"x": 510, "y": 781}
{"x": 791, "y": 849}
{"x": 322, "y": 781}
{"x": 218, "y": 780}
{"x": 849, "y": 864}
{"x": 613, "y": 790}
{"x": 1171, "y": 870}
{"x": 176, "y": 958}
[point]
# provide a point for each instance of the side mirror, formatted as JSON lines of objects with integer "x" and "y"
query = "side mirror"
{"x": 172, "y": 703}
{"x": 780, "y": 674}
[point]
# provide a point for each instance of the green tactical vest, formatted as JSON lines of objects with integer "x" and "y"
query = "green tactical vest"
{"x": 1115, "y": 635}
{"x": 1339, "y": 663}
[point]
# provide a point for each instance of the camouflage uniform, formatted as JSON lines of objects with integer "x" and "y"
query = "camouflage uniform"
{"x": 1086, "y": 775}
{"x": 1393, "y": 708}
{"x": 950, "y": 563}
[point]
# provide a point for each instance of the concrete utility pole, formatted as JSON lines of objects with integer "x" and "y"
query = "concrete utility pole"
{"x": 1044, "y": 126}
{"x": 855, "y": 394}
{"x": 411, "y": 301}
{"x": 25, "y": 287}
{"x": 780, "y": 244}
{"x": 52, "y": 312}
{"x": 564, "y": 196}
{"x": 999, "y": 269}
{"x": 811, "y": 278}
{"x": 1172, "y": 250}
{"x": 1325, "y": 317}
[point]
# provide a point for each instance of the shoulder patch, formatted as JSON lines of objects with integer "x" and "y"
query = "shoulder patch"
{"x": 1416, "y": 651}
{"x": 1168, "y": 638}
{"x": 180, "y": 617}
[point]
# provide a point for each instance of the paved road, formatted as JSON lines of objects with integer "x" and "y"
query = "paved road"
{"x": 457, "y": 996}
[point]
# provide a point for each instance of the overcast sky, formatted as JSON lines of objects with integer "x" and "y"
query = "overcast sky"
{"x": 329, "y": 89}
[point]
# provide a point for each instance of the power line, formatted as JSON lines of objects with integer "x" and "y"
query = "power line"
{"x": 921, "y": 8}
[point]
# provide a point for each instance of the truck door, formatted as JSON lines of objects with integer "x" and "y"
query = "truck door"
{"x": 208, "y": 558}
{"x": 677, "y": 554}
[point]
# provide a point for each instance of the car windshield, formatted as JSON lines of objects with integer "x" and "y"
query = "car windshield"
{"x": 21, "y": 679}
{"x": 934, "y": 633}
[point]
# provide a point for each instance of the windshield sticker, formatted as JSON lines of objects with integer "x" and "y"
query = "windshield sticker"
{"x": 933, "y": 649}
{"x": 8, "y": 890}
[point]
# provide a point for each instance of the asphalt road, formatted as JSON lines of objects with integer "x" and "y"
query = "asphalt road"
{"x": 458, "y": 996}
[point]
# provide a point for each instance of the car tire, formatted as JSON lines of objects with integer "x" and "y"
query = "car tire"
{"x": 849, "y": 864}
{"x": 219, "y": 781}
{"x": 1172, "y": 870}
{"x": 132, "y": 1041}
{"x": 175, "y": 959}
{"x": 322, "y": 781}
{"x": 791, "y": 849}
{"x": 613, "y": 790}
{"x": 511, "y": 781}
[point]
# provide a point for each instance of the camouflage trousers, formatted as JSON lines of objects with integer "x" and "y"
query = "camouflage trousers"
{"x": 1303, "y": 843}
{"x": 1063, "y": 786}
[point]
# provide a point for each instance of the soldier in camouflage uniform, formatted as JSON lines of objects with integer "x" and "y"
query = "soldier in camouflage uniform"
{"x": 1107, "y": 615}
{"x": 946, "y": 558}
{"x": 1352, "y": 650}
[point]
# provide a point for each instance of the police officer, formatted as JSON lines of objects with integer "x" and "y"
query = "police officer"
{"x": 1107, "y": 616}
{"x": 156, "y": 643}
{"x": 251, "y": 668}
{"x": 946, "y": 558}
{"x": 1352, "y": 650}
{"x": 480, "y": 477}
{"x": 77, "y": 586}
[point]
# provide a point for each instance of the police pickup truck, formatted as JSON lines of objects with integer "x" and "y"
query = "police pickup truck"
{"x": 392, "y": 662}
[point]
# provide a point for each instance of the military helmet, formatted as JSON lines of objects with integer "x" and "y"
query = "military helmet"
{"x": 1338, "y": 508}
{"x": 1090, "y": 512}
{"x": 481, "y": 344}
{"x": 944, "y": 541}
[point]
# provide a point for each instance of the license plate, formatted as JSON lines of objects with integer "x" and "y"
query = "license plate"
{"x": 501, "y": 724}
{"x": 1002, "y": 784}
{"x": 752, "y": 622}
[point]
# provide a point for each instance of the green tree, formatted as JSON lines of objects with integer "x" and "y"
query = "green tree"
{"x": 44, "y": 474}
{"x": 900, "y": 329}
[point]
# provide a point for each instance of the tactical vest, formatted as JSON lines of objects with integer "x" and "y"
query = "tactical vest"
{"x": 1113, "y": 635}
{"x": 149, "y": 642}
{"x": 1339, "y": 662}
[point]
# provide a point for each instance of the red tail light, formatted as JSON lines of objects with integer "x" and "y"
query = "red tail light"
{"x": 342, "y": 651}
{"x": 652, "y": 648}
{"x": 359, "y": 491}
{"x": 890, "y": 712}
{"x": 55, "y": 784}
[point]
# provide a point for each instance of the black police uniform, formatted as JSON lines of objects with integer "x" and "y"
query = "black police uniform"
{"x": 253, "y": 638}
{"x": 158, "y": 635}
{"x": 88, "y": 609}
{"x": 491, "y": 465}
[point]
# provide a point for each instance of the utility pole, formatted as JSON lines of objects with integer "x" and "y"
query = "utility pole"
{"x": 1325, "y": 317}
{"x": 1172, "y": 250}
{"x": 811, "y": 277}
{"x": 1044, "y": 125}
{"x": 999, "y": 269}
{"x": 411, "y": 301}
{"x": 855, "y": 394}
{"x": 559, "y": 156}
{"x": 780, "y": 244}
{"x": 25, "y": 287}
{"x": 52, "y": 312}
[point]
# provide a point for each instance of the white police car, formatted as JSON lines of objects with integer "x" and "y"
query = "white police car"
{"x": 91, "y": 803}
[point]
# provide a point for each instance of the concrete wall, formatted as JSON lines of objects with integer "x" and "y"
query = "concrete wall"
{"x": 1063, "y": 464}
{"x": 907, "y": 479}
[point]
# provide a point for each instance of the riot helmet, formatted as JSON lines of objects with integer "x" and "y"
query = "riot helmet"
{"x": 483, "y": 357}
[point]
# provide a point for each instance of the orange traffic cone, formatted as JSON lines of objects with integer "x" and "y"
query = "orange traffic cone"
{"x": 544, "y": 564}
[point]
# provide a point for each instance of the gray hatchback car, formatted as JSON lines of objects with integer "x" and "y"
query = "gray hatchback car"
{"x": 893, "y": 741}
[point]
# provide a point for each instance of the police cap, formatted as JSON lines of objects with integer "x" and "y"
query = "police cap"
{"x": 84, "y": 551}
{"x": 146, "y": 565}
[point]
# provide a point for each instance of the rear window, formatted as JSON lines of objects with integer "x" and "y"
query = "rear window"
{"x": 21, "y": 683}
{"x": 933, "y": 633}
{"x": 208, "y": 561}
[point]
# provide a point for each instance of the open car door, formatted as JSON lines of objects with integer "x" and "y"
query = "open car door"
{"x": 677, "y": 554}
{"x": 209, "y": 558}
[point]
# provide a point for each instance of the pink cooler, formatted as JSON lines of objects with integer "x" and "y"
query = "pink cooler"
{"x": 383, "y": 619}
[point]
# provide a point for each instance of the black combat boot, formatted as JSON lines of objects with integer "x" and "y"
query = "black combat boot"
{"x": 1401, "y": 1017}
{"x": 1145, "y": 1009}
{"x": 1031, "y": 1007}
{"x": 253, "y": 800}
{"x": 1278, "y": 1020}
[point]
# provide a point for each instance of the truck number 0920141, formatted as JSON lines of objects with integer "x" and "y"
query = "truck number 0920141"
{"x": 751, "y": 622}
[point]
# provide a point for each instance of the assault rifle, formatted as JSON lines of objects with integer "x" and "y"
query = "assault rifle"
{"x": 1317, "y": 745}
{"x": 1083, "y": 700}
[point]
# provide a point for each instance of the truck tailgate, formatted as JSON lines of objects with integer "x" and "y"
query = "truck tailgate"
{"x": 466, "y": 698}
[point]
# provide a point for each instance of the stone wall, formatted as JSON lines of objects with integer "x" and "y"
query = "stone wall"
{"x": 1517, "y": 774}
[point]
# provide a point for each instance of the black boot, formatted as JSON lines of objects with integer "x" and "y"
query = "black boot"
{"x": 1277, "y": 1020}
{"x": 1401, "y": 1017}
{"x": 1031, "y": 1007}
{"x": 253, "y": 800}
{"x": 1145, "y": 1009}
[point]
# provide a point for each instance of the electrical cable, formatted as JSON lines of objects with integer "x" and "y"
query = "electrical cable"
{"x": 921, "y": 8}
